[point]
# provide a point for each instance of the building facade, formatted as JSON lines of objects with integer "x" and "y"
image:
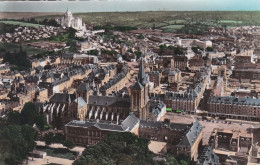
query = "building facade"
{"x": 232, "y": 107}
{"x": 68, "y": 20}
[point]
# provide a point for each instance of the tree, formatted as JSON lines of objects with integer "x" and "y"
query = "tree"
{"x": 163, "y": 47}
{"x": 170, "y": 160}
{"x": 47, "y": 67}
{"x": 140, "y": 36}
{"x": 93, "y": 52}
{"x": 13, "y": 117}
{"x": 183, "y": 159}
{"x": 18, "y": 59}
{"x": 41, "y": 122}
{"x": 29, "y": 113}
{"x": 178, "y": 50}
{"x": 72, "y": 33}
{"x": 68, "y": 144}
{"x": 138, "y": 54}
{"x": 73, "y": 45}
{"x": 59, "y": 138}
{"x": 123, "y": 159}
{"x": 210, "y": 49}
{"x": 195, "y": 50}
{"x": 48, "y": 138}
{"x": 16, "y": 141}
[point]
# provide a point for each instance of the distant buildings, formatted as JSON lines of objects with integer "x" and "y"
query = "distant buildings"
{"x": 78, "y": 59}
{"x": 68, "y": 20}
{"x": 194, "y": 42}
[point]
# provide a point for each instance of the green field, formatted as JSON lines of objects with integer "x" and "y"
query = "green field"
{"x": 172, "y": 21}
{"x": 172, "y": 28}
{"x": 230, "y": 21}
{"x": 16, "y": 47}
{"x": 21, "y": 23}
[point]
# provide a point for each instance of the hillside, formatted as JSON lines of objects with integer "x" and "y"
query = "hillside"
{"x": 170, "y": 21}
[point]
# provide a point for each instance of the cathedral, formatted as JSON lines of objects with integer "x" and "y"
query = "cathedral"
{"x": 68, "y": 20}
{"x": 88, "y": 105}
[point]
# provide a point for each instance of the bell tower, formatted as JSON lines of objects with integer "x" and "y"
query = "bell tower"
{"x": 139, "y": 94}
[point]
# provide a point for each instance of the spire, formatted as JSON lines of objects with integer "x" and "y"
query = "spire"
{"x": 68, "y": 13}
{"x": 69, "y": 99}
{"x": 141, "y": 74}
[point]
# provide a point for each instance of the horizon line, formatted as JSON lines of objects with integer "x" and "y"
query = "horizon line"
{"x": 137, "y": 11}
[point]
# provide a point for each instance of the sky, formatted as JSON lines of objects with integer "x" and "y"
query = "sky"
{"x": 129, "y": 5}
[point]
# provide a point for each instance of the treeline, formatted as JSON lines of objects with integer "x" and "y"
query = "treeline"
{"x": 177, "y": 50}
{"x": 7, "y": 28}
{"x": 114, "y": 28}
{"x": 46, "y": 21}
{"x": 18, "y": 59}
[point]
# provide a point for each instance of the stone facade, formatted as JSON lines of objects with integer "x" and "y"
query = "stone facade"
{"x": 181, "y": 138}
{"x": 180, "y": 62}
{"x": 68, "y": 20}
{"x": 155, "y": 77}
{"x": 91, "y": 132}
{"x": 232, "y": 107}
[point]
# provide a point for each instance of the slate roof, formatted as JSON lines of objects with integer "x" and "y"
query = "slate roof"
{"x": 137, "y": 86}
{"x": 127, "y": 125}
{"x": 130, "y": 122}
{"x": 174, "y": 72}
{"x": 156, "y": 107}
{"x": 180, "y": 126}
{"x": 151, "y": 124}
{"x": 208, "y": 157}
{"x": 115, "y": 79}
{"x": 154, "y": 72}
{"x": 234, "y": 100}
{"x": 191, "y": 136}
{"x": 62, "y": 97}
{"x": 109, "y": 101}
{"x": 80, "y": 101}
{"x": 83, "y": 87}
{"x": 175, "y": 96}
{"x": 142, "y": 78}
{"x": 160, "y": 124}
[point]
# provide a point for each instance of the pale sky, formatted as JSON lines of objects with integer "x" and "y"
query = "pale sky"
{"x": 130, "y": 5}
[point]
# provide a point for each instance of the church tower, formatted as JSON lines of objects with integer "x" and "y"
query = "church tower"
{"x": 139, "y": 94}
{"x": 84, "y": 91}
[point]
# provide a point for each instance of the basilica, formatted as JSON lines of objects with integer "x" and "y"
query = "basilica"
{"x": 68, "y": 20}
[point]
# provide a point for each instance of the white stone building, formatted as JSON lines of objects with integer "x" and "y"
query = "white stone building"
{"x": 68, "y": 20}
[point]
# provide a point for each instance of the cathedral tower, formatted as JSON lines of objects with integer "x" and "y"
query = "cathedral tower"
{"x": 139, "y": 94}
